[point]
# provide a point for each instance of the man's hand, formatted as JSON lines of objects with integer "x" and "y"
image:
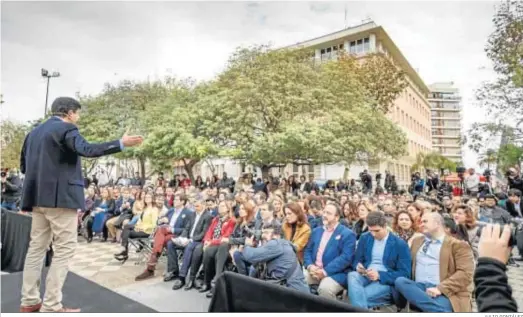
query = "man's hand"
{"x": 225, "y": 240}
{"x": 433, "y": 292}
{"x": 372, "y": 275}
{"x": 361, "y": 269}
{"x": 131, "y": 140}
{"x": 319, "y": 274}
{"x": 164, "y": 220}
{"x": 249, "y": 241}
{"x": 491, "y": 245}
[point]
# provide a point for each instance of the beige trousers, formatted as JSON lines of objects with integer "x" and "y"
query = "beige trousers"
{"x": 111, "y": 229}
{"x": 327, "y": 287}
{"x": 59, "y": 226}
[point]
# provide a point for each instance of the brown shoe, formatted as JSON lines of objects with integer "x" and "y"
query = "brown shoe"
{"x": 145, "y": 275}
{"x": 31, "y": 309}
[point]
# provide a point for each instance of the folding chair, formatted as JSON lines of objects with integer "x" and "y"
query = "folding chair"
{"x": 144, "y": 246}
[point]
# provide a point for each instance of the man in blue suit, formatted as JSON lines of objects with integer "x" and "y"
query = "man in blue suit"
{"x": 381, "y": 257}
{"x": 329, "y": 253}
{"x": 175, "y": 223}
{"x": 54, "y": 190}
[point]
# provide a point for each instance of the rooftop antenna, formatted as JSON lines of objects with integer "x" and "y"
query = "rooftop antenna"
{"x": 345, "y": 15}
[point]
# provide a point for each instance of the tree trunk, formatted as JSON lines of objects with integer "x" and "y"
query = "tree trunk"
{"x": 188, "y": 166}
{"x": 265, "y": 169}
{"x": 141, "y": 160}
{"x": 346, "y": 173}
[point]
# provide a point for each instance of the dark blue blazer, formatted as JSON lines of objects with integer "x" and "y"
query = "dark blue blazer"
{"x": 50, "y": 160}
{"x": 396, "y": 257}
{"x": 338, "y": 254}
{"x": 183, "y": 222}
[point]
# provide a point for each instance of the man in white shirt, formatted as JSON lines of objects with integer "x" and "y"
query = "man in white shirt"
{"x": 472, "y": 183}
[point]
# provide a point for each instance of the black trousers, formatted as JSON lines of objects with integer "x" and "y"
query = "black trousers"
{"x": 129, "y": 233}
{"x": 196, "y": 260}
{"x": 214, "y": 259}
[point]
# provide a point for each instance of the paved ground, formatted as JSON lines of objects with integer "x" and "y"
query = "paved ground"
{"x": 95, "y": 261}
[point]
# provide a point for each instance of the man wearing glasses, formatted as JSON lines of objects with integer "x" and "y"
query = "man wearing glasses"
{"x": 442, "y": 269}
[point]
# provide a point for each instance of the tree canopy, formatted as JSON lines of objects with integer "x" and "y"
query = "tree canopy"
{"x": 13, "y": 136}
{"x": 502, "y": 98}
{"x": 275, "y": 107}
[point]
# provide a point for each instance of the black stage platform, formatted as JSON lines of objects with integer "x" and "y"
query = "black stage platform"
{"x": 77, "y": 292}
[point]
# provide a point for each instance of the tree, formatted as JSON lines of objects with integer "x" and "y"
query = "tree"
{"x": 13, "y": 136}
{"x": 509, "y": 155}
{"x": 179, "y": 135}
{"x": 432, "y": 160}
{"x": 127, "y": 105}
{"x": 503, "y": 97}
{"x": 488, "y": 158}
{"x": 275, "y": 107}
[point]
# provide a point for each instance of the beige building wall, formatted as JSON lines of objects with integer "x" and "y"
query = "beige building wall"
{"x": 411, "y": 111}
{"x": 446, "y": 107}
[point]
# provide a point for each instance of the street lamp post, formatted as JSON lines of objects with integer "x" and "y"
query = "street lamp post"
{"x": 48, "y": 75}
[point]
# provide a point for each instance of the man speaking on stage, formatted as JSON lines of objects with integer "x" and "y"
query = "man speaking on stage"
{"x": 54, "y": 190}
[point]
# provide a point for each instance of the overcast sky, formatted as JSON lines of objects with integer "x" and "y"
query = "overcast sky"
{"x": 91, "y": 43}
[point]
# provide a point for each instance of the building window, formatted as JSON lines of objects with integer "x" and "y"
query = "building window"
{"x": 359, "y": 46}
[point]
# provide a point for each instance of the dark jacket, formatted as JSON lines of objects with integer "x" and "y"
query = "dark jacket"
{"x": 202, "y": 225}
{"x": 13, "y": 189}
{"x": 512, "y": 209}
{"x": 51, "y": 163}
{"x": 240, "y": 232}
{"x": 493, "y": 294}
{"x": 359, "y": 229}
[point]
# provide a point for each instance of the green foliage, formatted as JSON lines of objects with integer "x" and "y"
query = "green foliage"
{"x": 179, "y": 135}
{"x": 488, "y": 158}
{"x": 432, "y": 160}
{"x": 13, "y": 136}
{"x": 503, "y": 97}
{"x": 509, "y": 155}
{"x": 274, "y": 107}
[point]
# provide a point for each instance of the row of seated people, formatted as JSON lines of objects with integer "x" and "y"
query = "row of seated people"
{"x": 434, "y": 274}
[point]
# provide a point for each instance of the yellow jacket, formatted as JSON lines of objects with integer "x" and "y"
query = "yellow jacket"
{"x": 147, "y": 221}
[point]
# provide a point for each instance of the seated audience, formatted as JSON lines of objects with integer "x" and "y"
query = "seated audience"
{"x": 360, "y": 226}
{"x": 464, "y": 216}
{"x": 192, "y": 247}
{"x": 143, "y": 229}
{"x": 173, "y": 224}
{"x": 218, "y": 233}
{"x": 329, "y": 253}
{"x": 295, "y": 228}
{"x": 315, "y": 213}
{"x": 106, "y": 205}
{"x": 124, "y": 211}
{"x": 404, "y": 226}
{"x": 442, "y": 269}
{"x": 380, "y": 259}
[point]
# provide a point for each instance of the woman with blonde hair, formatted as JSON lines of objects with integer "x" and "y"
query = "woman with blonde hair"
{"x": 277, "y": 204}
{"x": 143, "y": 228}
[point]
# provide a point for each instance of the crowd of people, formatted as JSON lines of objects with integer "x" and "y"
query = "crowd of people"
{"x": 409, "y": 251}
